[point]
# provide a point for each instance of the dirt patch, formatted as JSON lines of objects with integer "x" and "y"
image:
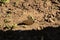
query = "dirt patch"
{"x": 29, "y": 14}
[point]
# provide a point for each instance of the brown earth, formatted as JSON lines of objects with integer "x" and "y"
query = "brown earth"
{"x": 29, "y": 14}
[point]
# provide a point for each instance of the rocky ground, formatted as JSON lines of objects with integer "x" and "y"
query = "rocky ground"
{"x": 29, "y": 14}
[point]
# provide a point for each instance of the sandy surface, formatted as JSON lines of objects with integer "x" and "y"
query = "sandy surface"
{"x": 44, "y": 13}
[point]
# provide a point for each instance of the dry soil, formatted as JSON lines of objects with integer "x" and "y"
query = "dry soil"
{"x": 44, "y": 13}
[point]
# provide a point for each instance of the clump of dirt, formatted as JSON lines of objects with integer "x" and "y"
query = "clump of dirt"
{"x": 29, "y": 14}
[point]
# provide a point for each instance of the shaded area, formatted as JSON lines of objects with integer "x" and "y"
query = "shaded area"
{"x": 51, "y": 33}
{"x": 45, "y": 34}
